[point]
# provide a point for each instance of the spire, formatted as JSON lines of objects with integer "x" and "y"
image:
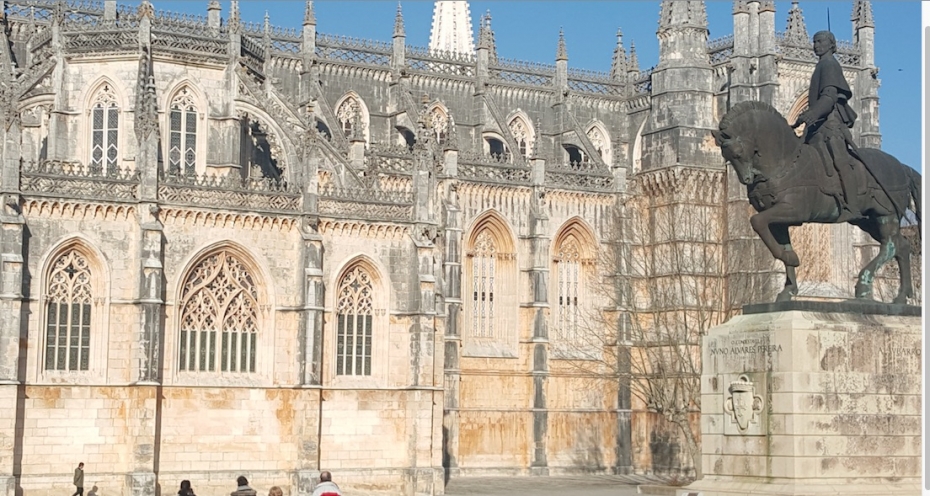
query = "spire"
{"x": 234, "y": 19}
{"x": 309, "y": 16}
{"x": 634, "y": 60}
{"x": 486, "y": 36}
{"x": 797, "y": 31}
{"x": 862, "y": 15}
{"x": 681, "y": 13}
{"x": 561, "y": 52}
{"x": 619, "y": 64}
{"x": 451, "y": 30}
{"x": 399, "y": 23}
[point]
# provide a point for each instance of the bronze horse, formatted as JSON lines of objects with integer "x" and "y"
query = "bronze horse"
{"x": 788, "y": 185}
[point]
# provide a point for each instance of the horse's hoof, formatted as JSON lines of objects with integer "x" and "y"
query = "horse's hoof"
{"x": 863, "y": 292}
{"x": 785, "y": 295}
{"x": 900, "y": 300}
{"x": 791, "y": 259}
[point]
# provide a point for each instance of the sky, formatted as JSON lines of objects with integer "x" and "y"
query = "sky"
{"x": 528, "y": 30}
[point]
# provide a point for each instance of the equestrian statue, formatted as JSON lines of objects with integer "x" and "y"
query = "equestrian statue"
{"x": 823, "y": 177}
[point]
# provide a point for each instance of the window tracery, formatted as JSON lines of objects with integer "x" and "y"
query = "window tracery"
{"x": 601, "y": 143}
{"x": 348, "y": 115}
{"x": 439, "y": 123}
{"x": 219, "y": 317}
{"x": 104, "y": 130}
{"x": 569, "y": 272}
{"x": 354, "y": 322}
{"x": 182, "y": 139}
{"x": 522, "y": 136}
{"x": 68, "y": 313}
{"x": 483, "y": 285}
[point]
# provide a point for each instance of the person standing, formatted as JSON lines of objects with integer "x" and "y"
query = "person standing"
{"x": 326, "y": 487}
{"x": 79, "y": 480}
{"x": 242, "y": 487}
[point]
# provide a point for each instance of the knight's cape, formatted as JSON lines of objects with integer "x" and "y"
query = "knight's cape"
{"x": 829, "y": 73}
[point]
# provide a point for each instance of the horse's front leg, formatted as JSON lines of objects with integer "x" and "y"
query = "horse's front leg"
{"x": 884, "y": 230}
{"x": 903, "y": 256}
{"x": 780, "y": 232}
{"x": 780, "y": 213}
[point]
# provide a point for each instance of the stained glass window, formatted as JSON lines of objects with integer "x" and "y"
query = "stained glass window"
{"x": 68, "y": 312}
{"x": 219, "y": 317}
{"x": 182, "y": 139}
{"x": 104, "y": 130}
{"x": 354, "y": 323}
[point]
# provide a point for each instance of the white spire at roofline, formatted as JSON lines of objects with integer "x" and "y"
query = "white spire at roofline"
{"x": 452, "y": 28}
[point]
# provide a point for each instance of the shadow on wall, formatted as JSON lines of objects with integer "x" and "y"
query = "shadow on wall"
{"x": 588, "y": 455}
{"x": 666, "y": 454}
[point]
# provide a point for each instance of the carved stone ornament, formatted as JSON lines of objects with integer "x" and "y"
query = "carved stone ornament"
{"x": 743, "y": 404}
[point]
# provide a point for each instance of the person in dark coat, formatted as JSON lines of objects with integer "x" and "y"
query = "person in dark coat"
{"x": 186, "y": 489}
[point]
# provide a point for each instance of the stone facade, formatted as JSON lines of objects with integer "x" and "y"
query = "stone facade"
{"x": 232, "y": 248}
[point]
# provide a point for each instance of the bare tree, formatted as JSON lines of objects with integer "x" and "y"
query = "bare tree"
{"x": 662, "y": 287}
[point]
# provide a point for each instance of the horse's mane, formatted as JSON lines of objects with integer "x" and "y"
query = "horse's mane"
{"x": 741, "y": 108}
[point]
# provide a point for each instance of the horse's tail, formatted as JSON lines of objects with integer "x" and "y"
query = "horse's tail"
{"x": 914, "y": 184}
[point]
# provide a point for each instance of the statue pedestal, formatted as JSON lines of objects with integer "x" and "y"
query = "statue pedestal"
{"x": 809, "y": 399}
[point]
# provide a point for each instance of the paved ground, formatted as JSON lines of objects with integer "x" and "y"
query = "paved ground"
{"x": 593, "y": 485}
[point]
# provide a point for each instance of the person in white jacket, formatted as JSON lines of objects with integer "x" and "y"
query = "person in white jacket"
{"x": 326, "y": 487}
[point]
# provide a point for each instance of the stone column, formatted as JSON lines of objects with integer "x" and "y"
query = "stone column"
{"x": 144, "y": 397}
{"x": 12, "y": 227}
{"x": 539, "y": 306}
{"x": 310, "y": 330}
{"x": 452, "y": 287}
{"x": 621, "y": 253}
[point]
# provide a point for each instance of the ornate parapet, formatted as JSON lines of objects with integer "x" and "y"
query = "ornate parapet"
{"x": 440, "y": 62}
{"x": 346, "y": 49}
{"x": 597, "y": 83}
{"x": 720, "y": 50}
{"x": 520, "y": 72}
{"x": 579, "y": 176}
{"x": 390, "y": 159}
{"x": 229, "y": 191}
{"x": 487, "y": 169}
{"x": 366, "y": 203}
{"x": 75, "y": 180}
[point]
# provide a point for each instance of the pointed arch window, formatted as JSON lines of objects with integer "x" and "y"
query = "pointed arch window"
{"x": 439, "y": 123}
{"x": 219, "y": 317}
{"x": 569, "y": 284}
{"x": 182, "y": 128}
{"x": 104, "y": 118}
{"x": 348, "y": 115}
{"x": 68, "y": 313}
{"x": 484, "y": 272}
{"x": 354, "y": 323}
{"x": 601, "y": 143}
{"x": 522, "y": 136}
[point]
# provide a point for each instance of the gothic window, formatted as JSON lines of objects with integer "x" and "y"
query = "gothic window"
{"x": 219, "y": 317}
{"x": 483, "y": 285}
{"x": 104, "y": 130}
{"x": 68, "y": 312}
{"x": 439, "y": 123}
{"x": 348, "y": 115}
{"x": 601, "y": 143}
{"x": 568, "y": 272}
{"x": 522, "y": 135}
{"x": 182, "y": 139}
{"x": 354, "y": 323}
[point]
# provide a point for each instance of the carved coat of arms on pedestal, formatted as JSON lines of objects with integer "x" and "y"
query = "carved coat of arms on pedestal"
{"x": 744, "y": 407}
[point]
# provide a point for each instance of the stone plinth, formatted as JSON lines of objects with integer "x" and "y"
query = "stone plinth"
{"x": 798, "y": 402}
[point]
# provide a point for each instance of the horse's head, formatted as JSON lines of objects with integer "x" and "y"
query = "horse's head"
{"x": 755, "y": 139}
{"x": 737, "y": 154}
